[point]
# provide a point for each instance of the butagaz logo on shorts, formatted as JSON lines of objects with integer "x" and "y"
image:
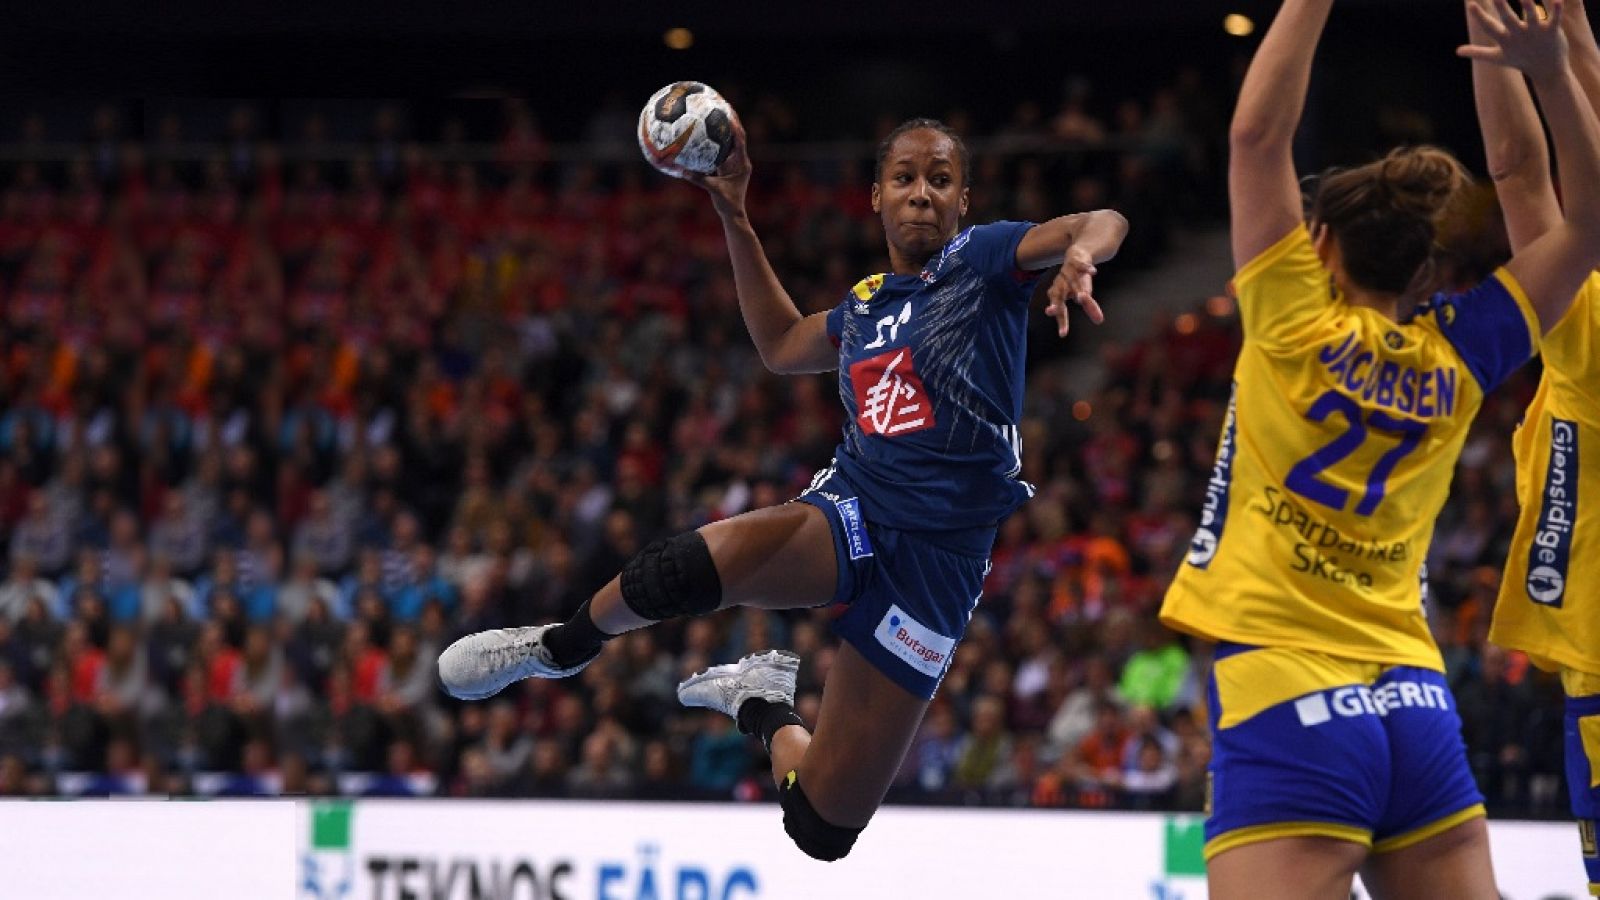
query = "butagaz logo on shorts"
{"x": 1552, "y": 537}
{"x": 924, "y": 649}
{"x": 1214, "y": 514}
{"x": 1360, "y": 700}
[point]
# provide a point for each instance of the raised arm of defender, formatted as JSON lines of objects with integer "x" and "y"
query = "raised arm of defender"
{"x": 1263, "y": 192}
{"x": 1513, "y": 145}
{"x": 1553, "y": 265}
{"x": 1513, "y": 139}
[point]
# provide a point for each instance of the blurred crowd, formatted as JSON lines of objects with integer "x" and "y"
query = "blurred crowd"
{"x": 273, "y": 433}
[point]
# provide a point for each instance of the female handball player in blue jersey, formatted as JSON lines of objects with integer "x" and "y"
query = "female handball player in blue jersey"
{"x": 1549, "y": 605}
{"x": 898, "y": 529}
{"x": 1336, "y": 746}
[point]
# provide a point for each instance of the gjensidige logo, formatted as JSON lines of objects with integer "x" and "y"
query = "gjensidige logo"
{"x": 1551, "y": 547}
{"x": 1214, "y": 514}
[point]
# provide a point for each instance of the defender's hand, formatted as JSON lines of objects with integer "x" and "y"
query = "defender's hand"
{"x": 1535, "y": 45}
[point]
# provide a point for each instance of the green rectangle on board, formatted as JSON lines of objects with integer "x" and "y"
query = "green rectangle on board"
{"x": 330, "y": 826}
{"x": 1186, "y": 841}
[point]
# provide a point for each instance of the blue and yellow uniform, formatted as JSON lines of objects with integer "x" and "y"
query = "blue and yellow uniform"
{"x": 931, "y": 377}
{"x": 1329, "y": 713}
{"x": 1549, "y": 606}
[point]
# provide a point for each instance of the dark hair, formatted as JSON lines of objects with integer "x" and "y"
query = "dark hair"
{"x": 1385, "y": 214}
{"x": 911, "y": 125}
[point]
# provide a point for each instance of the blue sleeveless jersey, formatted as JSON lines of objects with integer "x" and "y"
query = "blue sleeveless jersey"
{"x": 931, "y": 377}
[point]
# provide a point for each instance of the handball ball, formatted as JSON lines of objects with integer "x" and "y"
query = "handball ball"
{"x": 686, "y": 127}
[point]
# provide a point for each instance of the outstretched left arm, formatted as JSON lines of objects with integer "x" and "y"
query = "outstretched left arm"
{"x": 1514, "y": 145}
{"x": 1076, "y": 243}
{"x": 1552, "y": 267}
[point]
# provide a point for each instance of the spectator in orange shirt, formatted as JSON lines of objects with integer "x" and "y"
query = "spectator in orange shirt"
{"x": 84, "y": 661}
{"x": 1096, "y": 764}
{"x": 367, "y": 664}
{"x": 220, "y": 663}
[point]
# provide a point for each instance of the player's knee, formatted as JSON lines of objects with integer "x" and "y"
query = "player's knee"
{"x": 814, "y": 835}
{"x": 671, "y": 578}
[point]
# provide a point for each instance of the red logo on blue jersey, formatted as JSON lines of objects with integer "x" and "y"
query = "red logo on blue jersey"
{"x": 890, "y": 398}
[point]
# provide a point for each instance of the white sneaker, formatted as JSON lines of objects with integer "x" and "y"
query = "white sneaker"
{"x": 769, "y": 676}
{"x": 481, "y": 665}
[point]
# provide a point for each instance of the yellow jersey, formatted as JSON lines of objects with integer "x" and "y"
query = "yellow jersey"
{"x": 1549, "y": 604}
{"x": 1336, "y": 455}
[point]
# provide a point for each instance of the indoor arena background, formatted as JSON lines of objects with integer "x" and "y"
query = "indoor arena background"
{"x": 330, "y": 335}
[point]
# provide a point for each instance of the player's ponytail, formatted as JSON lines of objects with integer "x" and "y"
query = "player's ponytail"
{"x": 1385, "y": 214}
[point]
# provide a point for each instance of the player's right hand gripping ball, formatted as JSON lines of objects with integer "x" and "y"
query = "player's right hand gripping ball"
{"x": 686, "y": 127}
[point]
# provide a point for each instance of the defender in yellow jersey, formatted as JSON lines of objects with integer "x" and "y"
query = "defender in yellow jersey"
{"x": 1549, "y": 604}
{"x": 1321, "y": 508}
{"x": 1336, "y": 746}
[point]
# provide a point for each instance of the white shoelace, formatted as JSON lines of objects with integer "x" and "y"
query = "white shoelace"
{"x": 513, "y": 655}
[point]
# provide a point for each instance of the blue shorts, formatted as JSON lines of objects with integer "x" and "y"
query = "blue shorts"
{"x": 1307, "y": 744}
{"x": 907, "y": 599}
{"x": 1583, "y": 764}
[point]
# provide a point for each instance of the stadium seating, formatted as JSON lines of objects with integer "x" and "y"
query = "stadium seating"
{"x": 274, "y": 430}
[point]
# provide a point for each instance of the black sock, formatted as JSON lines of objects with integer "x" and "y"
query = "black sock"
{"x": 576, "y": 640}
{"x": 764, "y": 718}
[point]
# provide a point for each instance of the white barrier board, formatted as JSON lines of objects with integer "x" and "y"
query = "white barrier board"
{"x": 509, "y": 850}
{"x": 173, "y": 850}
{"x": 517, "y": 850}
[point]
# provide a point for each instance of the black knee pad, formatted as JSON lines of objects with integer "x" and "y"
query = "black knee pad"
{"x": 671, "y": 578}
{"x": 811, "y": 833}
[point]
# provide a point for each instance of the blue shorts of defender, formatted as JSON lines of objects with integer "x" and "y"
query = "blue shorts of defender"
{"x": 1307, "y": 744}
{"x": 1583, "y": 764}
{"x": 907, "y": 599}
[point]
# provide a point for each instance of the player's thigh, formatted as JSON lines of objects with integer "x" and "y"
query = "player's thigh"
{"x": 1306, "y": 868}
{"x": 864, "y": 728}
{"x": 1432, "y": 792}
{"x": 1454, "y": 863}
{"x": 779, "y": 557}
